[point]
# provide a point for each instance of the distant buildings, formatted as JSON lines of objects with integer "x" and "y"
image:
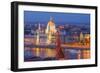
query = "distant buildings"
{"x": 46, "y": 35}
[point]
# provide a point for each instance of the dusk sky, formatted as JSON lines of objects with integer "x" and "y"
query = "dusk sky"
{"x": 33, "y": 16}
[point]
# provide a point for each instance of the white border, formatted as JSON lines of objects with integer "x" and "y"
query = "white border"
{"x": 22, "y": 64}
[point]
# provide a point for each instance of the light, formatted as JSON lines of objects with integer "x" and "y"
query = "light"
{"x": 50, "y": 30}
{"x": 38, "y": 36}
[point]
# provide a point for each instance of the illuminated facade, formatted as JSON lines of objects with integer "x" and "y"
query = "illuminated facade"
{"x": 50, "y": 30}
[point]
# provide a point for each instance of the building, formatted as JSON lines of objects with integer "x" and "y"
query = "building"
{"x": 50, "y": 31}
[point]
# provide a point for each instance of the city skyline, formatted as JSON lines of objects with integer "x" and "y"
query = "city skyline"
{"x": 53, "y": 40}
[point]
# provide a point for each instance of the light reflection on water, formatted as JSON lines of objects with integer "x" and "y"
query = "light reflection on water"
{"x": 42, "y": 54}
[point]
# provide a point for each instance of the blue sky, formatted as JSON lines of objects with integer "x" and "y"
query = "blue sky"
{"x": 33, "y": 16}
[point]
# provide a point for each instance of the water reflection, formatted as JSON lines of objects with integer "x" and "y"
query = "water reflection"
{"x": 44, "y": 54}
